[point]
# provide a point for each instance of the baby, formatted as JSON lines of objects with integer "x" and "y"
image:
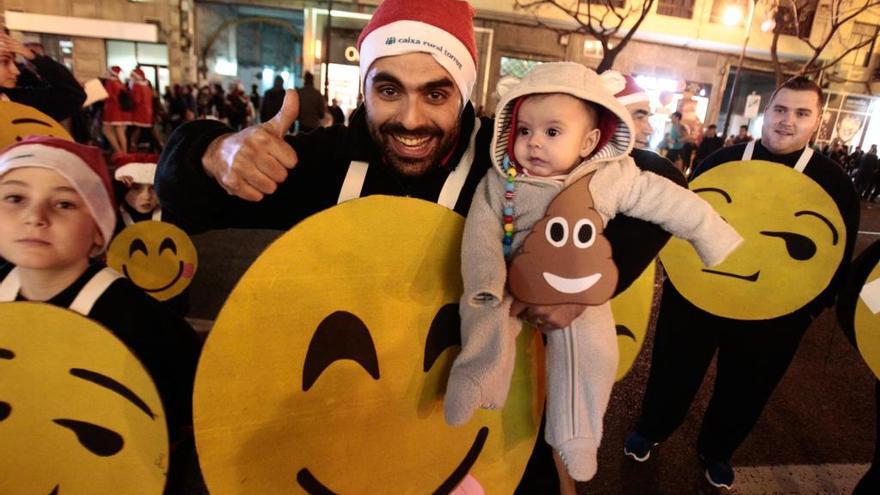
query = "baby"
{"x": 534, "y": 234}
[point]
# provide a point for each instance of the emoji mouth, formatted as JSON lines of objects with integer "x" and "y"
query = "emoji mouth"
{"x": 314, "y": 487}
{"x": 54, "y": 490}
{"x": 571, "y": 285}
{"x": 751, "y": 278}
{"x": 160, "y": 289}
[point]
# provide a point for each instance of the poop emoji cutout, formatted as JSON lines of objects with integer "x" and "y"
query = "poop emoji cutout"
{"x": 565, "y": 259}
{"x": 156, "y": 256}
{"x": 79, "y": 414}
{"x": 325, "y": 371}
{"x": 19, "y": 121}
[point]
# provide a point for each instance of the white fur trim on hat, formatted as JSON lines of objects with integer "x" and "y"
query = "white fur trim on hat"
{"x": 70, "y": 166}
{"x": 634, "y": 98}
{"x": 401, "y": 37}
{"x": 140, "y": 173}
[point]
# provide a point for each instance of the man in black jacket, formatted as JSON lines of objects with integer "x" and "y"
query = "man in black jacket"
{"x": 415, "y": 135}
{"x": 59, "y": 95}
{"x": 754, "y": 347}
{"x": 710, "y": 144}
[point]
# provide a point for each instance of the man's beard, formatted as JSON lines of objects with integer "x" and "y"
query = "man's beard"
{"x": 413, "y": 167}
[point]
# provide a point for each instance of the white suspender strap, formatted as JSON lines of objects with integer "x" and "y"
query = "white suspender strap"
{"x": 354, "y": 181}
{"x": 126, "y": 218}
{"x": 157, "y": 214}
{"x": 10, "y": 286}
{"x": 800, "y": 165}
{"x": 455, "y": 182}
{"x": 82, "y": 303}
{"x": 750, "y": 149}
{"x": 804, "y": 159}
{"x": 93, "y": 289}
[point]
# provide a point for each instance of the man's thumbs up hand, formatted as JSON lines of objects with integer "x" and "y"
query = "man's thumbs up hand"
{"x": 252, "y": 162}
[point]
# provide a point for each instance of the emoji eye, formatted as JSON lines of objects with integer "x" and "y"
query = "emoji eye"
{"x": 445, "y": 332}
{"x": 624, "y": 331}
{"x": 168, "y": 244}
{"x": 341, "y": 335}
{"x": 584, "y": 233}
{"x": 98, "y": 440}
{"x": 137, "y": 245}
{"x": 5, "y": 410}
{"x": 557, "y": 231}
{"x": 798, "y": 246}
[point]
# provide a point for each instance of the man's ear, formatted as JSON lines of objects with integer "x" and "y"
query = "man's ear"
{"x": 591, "y": 139}
{"x": 99, "y": 238}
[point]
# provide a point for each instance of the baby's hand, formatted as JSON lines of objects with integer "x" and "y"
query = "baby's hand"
{"x": 127, "y": 180}
{"x": 546, "y": 317}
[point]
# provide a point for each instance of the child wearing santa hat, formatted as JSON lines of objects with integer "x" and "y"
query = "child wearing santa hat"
{"x": 134, "y": 176}
{"x": 56, "y": 218}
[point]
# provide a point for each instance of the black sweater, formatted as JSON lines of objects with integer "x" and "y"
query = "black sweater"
{"x": 59, "y": 96}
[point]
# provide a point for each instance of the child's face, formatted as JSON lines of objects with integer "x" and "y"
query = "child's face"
{"x": 142, "y": 197}
{"x": 44, "y": 222}
{"x": 554, "y": 133}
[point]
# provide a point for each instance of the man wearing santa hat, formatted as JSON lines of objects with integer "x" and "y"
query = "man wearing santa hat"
{"x": 416, "y": 135}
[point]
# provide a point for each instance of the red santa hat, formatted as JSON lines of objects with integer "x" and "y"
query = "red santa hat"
{"x": 442, "y": 28}
{"x": 141, "y": 167}
{"x": 631, "y": 93}
{"x": 82, "y": 166}
{"x": 113, "y": 72}
{"x": 138, "y": 73}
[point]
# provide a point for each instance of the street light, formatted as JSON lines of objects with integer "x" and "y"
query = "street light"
{"x": 739, "y": 64}
{"x": 732, "y": 15}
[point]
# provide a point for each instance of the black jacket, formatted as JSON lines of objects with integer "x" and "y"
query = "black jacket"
{"x": 199, "y": 203}
{"x": 59, "y": 95}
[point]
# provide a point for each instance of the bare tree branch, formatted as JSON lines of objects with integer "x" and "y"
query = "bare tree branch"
{"x": 602, "y": 21}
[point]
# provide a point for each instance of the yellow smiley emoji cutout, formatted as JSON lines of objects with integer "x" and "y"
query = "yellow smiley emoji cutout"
{"x": 794, "y": 243}
{"x": 19, "y": 121}
{"x": 632, "y": 315}
{"x": 326, "y": 368}
{"x": 858, "y": 306}
{"x": 156, "y": 256}
{"x": 79, "y": 414}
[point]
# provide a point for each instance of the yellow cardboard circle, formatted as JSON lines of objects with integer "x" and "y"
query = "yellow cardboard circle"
{"x": 19, "y": 121}
{"x": 78, "y": 412}
{"x": 156, "y": 256}
{"x": 632, "y": 316}
{"x": 794, "y": 242}
{"x": 867, "y": 329}
{"x": 290, "y": 393}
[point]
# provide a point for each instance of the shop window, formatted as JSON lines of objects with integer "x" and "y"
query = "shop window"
{"x": 862, "y": 32}
{"x": 517, "y": 67}
{"x": 676, "y": 8}
{"x": 130, "y": 54}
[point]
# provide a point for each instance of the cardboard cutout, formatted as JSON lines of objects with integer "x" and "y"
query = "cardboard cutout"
{"x": 632, "y": 315}
{"x": 156, "y": 256}
{"x": 78, "y": 412}
{"x": 326, "y": 368}
{"x": 565, "y": 258}
{"x": 19, "y": 121}
{"x": 795, "y": 239}
{"x": 858, "y": 307}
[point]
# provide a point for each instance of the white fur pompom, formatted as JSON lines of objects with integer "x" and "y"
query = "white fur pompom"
{"x": 613, "y": 81}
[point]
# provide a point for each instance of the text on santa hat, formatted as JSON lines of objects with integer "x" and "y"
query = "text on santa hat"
{"x": 414, "y": 41}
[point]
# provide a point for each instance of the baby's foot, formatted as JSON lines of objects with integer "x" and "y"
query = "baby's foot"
{"x": 462, "y": 398}
{"x": 579, "y": 457}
